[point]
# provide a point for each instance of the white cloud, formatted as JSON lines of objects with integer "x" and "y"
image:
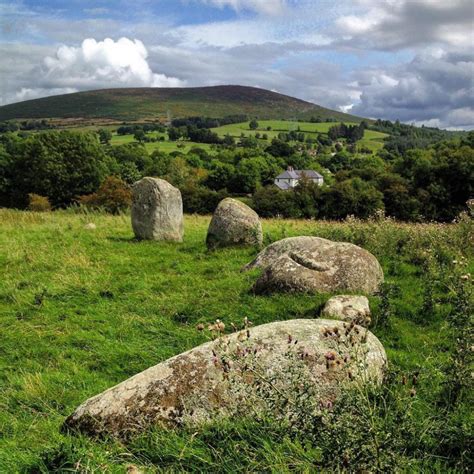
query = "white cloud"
{"x": 396, "y": 24}
{"x": 268, "y": 7}
{"x": 106, "y": 63}
{"x": 27, "y": 93}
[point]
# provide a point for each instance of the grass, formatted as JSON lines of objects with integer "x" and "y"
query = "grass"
{"x": 164, "y": 146}
{"x": 372, "y": 139}
{"x": 156, "y": 103}
{"x": 82, "y": 310}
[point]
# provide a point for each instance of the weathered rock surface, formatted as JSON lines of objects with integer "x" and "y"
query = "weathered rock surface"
{"x": 157, "y": 210}
{"x": 316, "y": 265}
{"x": 216, "y": 378}
{"x": 234, "y": 223}
{"x": 351, "y": 308}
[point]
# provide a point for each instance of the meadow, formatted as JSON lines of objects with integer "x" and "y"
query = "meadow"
{"x": 81, "y": 310}
{"x": 372, "y": 139}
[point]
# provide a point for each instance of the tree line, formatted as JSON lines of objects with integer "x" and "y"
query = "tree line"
{"x": 430, "y": 183}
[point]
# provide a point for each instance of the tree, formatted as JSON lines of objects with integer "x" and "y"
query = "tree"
{"x": 104, "y": 136}
{"x": 351, "y": 197}
{"x": 220, "y": 175}
{"x": 279, "y": 148}
{"x": 58, "y": 165}
{"x": 253, "y": 124}
{"x": 113, "y": 195}
{"x": 139, "y": 135}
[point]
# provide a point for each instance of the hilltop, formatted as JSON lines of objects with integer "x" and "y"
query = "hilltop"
{"x": 159, "y": 103}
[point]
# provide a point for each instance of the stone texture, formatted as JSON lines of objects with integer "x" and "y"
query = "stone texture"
{"x": 205, "y": 382}
{"x": 316, "y": 265}
{"x": 157, "y": 210}
{"x": 234, "y": 223}
{"x": 348, "y": 308}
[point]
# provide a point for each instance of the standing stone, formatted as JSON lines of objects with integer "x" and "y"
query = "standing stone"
{"x": 234, "y": 223}
{"x": 351, "y": 308}
{"x": 157, "y": 210}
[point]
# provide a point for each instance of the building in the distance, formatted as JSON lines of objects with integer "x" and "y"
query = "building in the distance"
{"x": 290, "y": 178}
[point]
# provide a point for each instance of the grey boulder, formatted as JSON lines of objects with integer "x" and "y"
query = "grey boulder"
{"x": 316, "y": 265}
{"x": 234, "y": 223}
{"x": 157, "y": 210}
{"x": 220, "y": 378}
{"x": 350, "y": 308}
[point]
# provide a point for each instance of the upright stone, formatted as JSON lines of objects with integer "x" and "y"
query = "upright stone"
{"x": 234, "y": 223}
{"x": 157, "y": 210}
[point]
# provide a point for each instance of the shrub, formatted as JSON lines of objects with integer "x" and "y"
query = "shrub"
{"x": 113, "y": 196}
{"x": 199, "y": 200}
{"x": 38, "y": 203}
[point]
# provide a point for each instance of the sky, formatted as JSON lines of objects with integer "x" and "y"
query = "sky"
{"x": 411, "y": 60}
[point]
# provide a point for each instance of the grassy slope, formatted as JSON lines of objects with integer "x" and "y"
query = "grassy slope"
{"x": 83, "y": 310}
{"x": 372, "y": 139}
{"x": 159, "y": 103}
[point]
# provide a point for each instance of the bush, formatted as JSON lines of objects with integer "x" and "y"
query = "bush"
{"x": 199, "y": 200}
{"x": 38, "y": 203}
{"x": 114, "y": 195}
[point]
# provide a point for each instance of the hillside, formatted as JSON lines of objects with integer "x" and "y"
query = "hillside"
{"x": 155, "y": 103}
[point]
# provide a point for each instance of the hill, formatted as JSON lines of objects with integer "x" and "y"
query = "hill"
{"x": 157, "y": 103}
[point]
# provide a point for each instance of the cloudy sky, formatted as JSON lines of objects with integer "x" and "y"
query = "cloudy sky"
{"x": 411, "y": 60}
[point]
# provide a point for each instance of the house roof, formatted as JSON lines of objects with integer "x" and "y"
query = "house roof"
{"x": 284, "y": 186}
{"x": 298, "y": 174}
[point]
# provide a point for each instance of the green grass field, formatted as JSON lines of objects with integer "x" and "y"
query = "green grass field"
{"x": 372, "y": 139}
{"x": 82, "y": 310}
{"x": 165, "y": 146}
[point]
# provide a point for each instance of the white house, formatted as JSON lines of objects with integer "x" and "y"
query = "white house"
{"x": 290, "y": 178}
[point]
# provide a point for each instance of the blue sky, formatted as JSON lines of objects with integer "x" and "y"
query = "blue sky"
{"x": 398, "y": 59}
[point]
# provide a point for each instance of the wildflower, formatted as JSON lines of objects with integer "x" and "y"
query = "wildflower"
{"x": 330, "y": 355}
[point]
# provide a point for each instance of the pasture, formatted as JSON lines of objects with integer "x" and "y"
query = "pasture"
{"x": 81, "y": 310}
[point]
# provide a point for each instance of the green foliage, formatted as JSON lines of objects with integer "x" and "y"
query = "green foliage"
{"x": 113, "y": 196}
{"x": 58, "y": 165}
{"x": 253, "y": 124}
{"x": 105, "y": 136}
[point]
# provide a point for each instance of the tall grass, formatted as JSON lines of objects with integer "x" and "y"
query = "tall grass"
{"x": 83, "y": 309}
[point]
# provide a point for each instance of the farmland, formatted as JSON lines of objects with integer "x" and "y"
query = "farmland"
{"x": 372, "y": 139}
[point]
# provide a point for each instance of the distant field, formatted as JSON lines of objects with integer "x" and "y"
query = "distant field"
{"x": 372, "y": 139}
{"x": 165, "y": 146}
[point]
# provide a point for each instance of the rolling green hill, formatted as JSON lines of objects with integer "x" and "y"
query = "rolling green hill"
{"x": 158, "y": 103}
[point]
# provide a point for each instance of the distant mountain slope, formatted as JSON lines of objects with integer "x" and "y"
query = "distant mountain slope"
{"x": 154, "y": 103}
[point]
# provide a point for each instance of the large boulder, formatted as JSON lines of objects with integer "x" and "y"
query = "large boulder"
{"x": 224, "y": 377}
{"x": 234, "y": 223}
{"x": 316, "y": 265}
{"x": 157, "y": 210}
{"x": 351, "y": 308}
